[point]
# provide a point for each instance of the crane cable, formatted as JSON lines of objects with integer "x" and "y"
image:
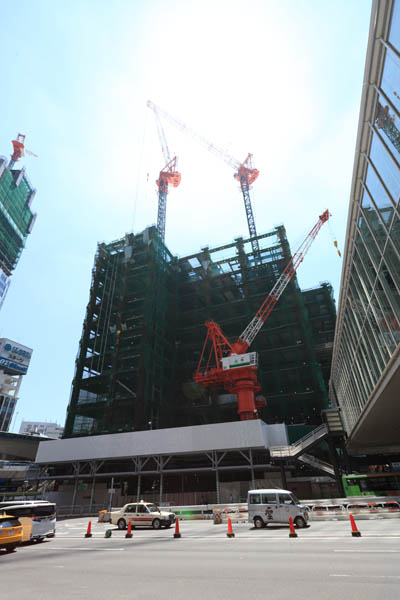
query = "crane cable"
{"x": 334, "y": 238}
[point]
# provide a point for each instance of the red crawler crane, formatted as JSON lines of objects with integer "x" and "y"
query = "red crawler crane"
{"x": 229, "y": 365}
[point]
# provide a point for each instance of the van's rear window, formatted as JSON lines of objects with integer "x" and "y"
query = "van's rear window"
{"x": 44, "y": 511}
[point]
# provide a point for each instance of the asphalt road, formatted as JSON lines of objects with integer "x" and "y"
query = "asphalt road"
{"x": 324, "y": 562}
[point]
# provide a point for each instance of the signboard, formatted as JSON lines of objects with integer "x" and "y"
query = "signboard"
{"x": 4, "y": 285}
{"x": 250, "y": 359}
{"x": 14, "y": 358}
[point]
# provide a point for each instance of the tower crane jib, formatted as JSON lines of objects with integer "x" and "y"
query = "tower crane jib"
{"x": 244, "y": 171}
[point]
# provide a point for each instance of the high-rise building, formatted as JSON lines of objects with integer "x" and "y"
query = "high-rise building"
{"x": 16, "y": 219}
{"x": 366, "y": 361}
{"x": 144, "y": 331}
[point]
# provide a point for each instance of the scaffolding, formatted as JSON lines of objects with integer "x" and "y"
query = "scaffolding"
{"x": 227, "y": 284}
{"x": 16, "y": 217}
{"x": 144, "y": 330}
{"x": 127, "y": 346}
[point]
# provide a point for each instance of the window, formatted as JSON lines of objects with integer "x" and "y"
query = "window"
{"x": 285, "y": 499}
{"x": 131, "y": 508}
{"x": 269, "y": 498}
{"x": 255, "y": 499}
{"x": 9, "y": 523}
{"x": 141, "y": 509}
{"x": 45, "y": 511}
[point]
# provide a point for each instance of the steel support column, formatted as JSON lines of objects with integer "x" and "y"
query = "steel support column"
{"x": 283, "y": 476}
{"x": 217, "y": 486}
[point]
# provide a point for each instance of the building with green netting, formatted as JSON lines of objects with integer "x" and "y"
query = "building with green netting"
{"x": 144, "y": 331}
{"x": 16, "y": 219}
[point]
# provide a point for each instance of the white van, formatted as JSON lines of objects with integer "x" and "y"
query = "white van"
{"x": 275, "y": 506}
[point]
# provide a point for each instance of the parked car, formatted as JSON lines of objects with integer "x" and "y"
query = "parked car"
{"x": 10, "y": 532}
{"x": 141, "y": 514}
{"x": 275, "y": 506}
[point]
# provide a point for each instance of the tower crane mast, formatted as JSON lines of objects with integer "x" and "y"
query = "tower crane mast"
{"x": 168, "y": 175}
{"x": 245, "y": 173}
{"x": 229, "y": 365}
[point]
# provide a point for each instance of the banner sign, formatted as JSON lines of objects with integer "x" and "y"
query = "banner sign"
{"x": 14, "y": 358}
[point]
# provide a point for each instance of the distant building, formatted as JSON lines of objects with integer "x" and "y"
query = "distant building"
{"x": 52, "y": 430}
{"x": 365, "y": 378}
{"x": 14, "y": 363}
{"x": 16, "y": 219}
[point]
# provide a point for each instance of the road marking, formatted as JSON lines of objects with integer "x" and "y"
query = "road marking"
{"x": 364, "y": 576}
{"x": 88, "y": 549}
{"x": 370, "y": 551}
{"x": 223, "y": 538}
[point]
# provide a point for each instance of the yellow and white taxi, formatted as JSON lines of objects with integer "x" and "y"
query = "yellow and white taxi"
{"x": 10, "y": 532}
{"x": 141, "y": 514}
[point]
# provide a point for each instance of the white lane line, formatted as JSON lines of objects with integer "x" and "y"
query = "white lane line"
{"x": 88, "y": 549}
{"x": 370, "y": 551}
{"x": 238, "y": 537}
{"x": 364, "y": 576}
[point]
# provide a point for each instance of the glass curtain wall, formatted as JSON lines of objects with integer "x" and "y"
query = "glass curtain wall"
{"x": 369, "y": 331}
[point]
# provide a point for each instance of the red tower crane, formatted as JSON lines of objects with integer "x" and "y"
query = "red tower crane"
{"x": 229, "y": 365}
{"x": 245, "y": 173}
{"x": 19, "y": 150}
{"x": 168, "y": 175}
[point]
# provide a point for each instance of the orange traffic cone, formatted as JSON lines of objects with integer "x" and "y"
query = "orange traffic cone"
{"x": 129, "y": 532}
{"x": 354, "y": 530}
{"x": 292, "y": 533}
{"x": 230, "y": 533}
{"x": 177, "y": 534}
{"x": 89, "y": 530}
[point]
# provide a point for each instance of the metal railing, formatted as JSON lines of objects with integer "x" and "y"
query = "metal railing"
{"x": 301, "y": 445}
{"x": 317, "y": 463}
{"x": 83, "y": 510}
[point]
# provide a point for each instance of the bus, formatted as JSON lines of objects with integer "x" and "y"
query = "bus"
{"x": 37, "y": 517}
{"x": 372, "y": 484}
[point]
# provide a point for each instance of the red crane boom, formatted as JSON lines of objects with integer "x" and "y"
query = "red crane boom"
{"x": 229, "y": 365}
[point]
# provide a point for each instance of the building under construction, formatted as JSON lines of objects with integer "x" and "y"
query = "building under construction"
{"x": 16, "y": 219}
{"x": 144, "y": 331}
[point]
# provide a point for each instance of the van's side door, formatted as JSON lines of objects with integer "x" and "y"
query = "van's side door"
{"x": 270, "y": 507}
{"x": 286, "y": 507}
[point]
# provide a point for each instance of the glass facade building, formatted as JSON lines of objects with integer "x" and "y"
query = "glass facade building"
{"x": 365, "y": 369}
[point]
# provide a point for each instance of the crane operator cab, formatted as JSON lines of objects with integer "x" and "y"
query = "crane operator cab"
{"x": 275, "y": 506}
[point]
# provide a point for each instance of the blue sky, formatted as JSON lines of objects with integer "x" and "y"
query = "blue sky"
{"x": 281, "y": 79}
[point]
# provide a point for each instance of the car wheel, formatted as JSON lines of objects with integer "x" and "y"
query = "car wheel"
{"x": 258, "y": 523}
{"x": 10, "y": 548}
{"x": 299, "y": 522}
{"x": 121, "y": 524}
{"x": 156, "y": 524}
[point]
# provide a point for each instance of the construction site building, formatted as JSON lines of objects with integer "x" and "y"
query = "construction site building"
{"x": 144, "y": 331}
{"x": 16, "y": 219}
